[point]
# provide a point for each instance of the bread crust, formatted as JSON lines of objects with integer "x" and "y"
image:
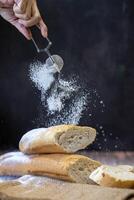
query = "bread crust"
{"x": 54, "y": 139}
{"x": 112, "y": 182}
{"x": 62, "y": 166}
{"x": 113, "y": 176}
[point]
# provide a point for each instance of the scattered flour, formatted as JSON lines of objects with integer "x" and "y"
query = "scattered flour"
{"x": 63, "y": 99}
{"x": 64, "y": 91}
{"x": 42, "y": 76}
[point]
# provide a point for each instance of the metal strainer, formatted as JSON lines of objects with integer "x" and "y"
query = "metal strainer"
{"x": 52, "y": 60}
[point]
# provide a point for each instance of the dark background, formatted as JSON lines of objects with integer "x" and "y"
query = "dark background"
{"x": 96, "y": 40}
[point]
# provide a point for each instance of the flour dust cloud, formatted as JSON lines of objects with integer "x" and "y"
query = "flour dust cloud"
{"x": 63, "y": 100}
{"x": 67, "y": 101}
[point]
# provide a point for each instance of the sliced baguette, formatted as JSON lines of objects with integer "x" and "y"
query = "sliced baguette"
{"x": 75, "y": 168}
{"x": 57, "y": 139}
{"x": 114, "y": 176}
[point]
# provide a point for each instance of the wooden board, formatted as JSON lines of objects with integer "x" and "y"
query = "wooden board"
{"x": 41, "y": 188}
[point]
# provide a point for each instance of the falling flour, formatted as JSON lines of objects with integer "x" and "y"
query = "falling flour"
{"x": 63, "y": 100}
{"x": 42, "y": 76}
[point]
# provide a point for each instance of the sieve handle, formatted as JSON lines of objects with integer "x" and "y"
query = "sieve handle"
{"x": 46, "y": 49}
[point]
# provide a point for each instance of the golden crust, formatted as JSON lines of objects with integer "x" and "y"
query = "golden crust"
{"x": 46, "y": 140}
{"x": 54, "y": 164}
{"x": 109, "y": 181}
{"x": 114, "y": 176}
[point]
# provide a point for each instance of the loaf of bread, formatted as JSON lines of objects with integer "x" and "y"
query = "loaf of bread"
{"x": 42, "y": 188}
{"x": 75, "y": 168}
{"x": 57, "y": 139}
{"x": 114, "y": 176}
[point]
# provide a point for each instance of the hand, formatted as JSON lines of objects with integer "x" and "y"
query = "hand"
{"x": 23, "y": 14}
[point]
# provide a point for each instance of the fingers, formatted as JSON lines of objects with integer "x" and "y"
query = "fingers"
{"x": 25, "y": 31}
{"x": 28, "y": 23}
{"x": 43, "y": 28}
{"x": 34, "y": 21}
{"x": 26, "y": 15}
{"x": 41, "y": 25}
{"x": 20, "y": 6}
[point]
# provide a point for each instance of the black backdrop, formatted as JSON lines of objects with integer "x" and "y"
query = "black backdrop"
{"x": 96, "y": 40}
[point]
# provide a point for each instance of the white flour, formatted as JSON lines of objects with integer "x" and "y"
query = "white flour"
{"x": 63, "y": 101}
{"x": 41, "y": 76}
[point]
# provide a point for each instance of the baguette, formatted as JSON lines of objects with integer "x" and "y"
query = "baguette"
{"x": 57, "y": 139}
{"x": 118, "y": 176}
{"x": 75, "y": 168}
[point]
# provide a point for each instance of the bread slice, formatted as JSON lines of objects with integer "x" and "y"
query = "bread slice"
{"x": 114, "y": 176}
{"x": 57, "y": 139}
{"x": 75, "y": 168}
{"x": 42, "y": 188}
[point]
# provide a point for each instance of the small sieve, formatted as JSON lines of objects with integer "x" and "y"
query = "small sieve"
{"x": 52, "y": 60}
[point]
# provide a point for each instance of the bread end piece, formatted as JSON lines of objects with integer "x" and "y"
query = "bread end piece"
{"x": 114, "y": 176}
